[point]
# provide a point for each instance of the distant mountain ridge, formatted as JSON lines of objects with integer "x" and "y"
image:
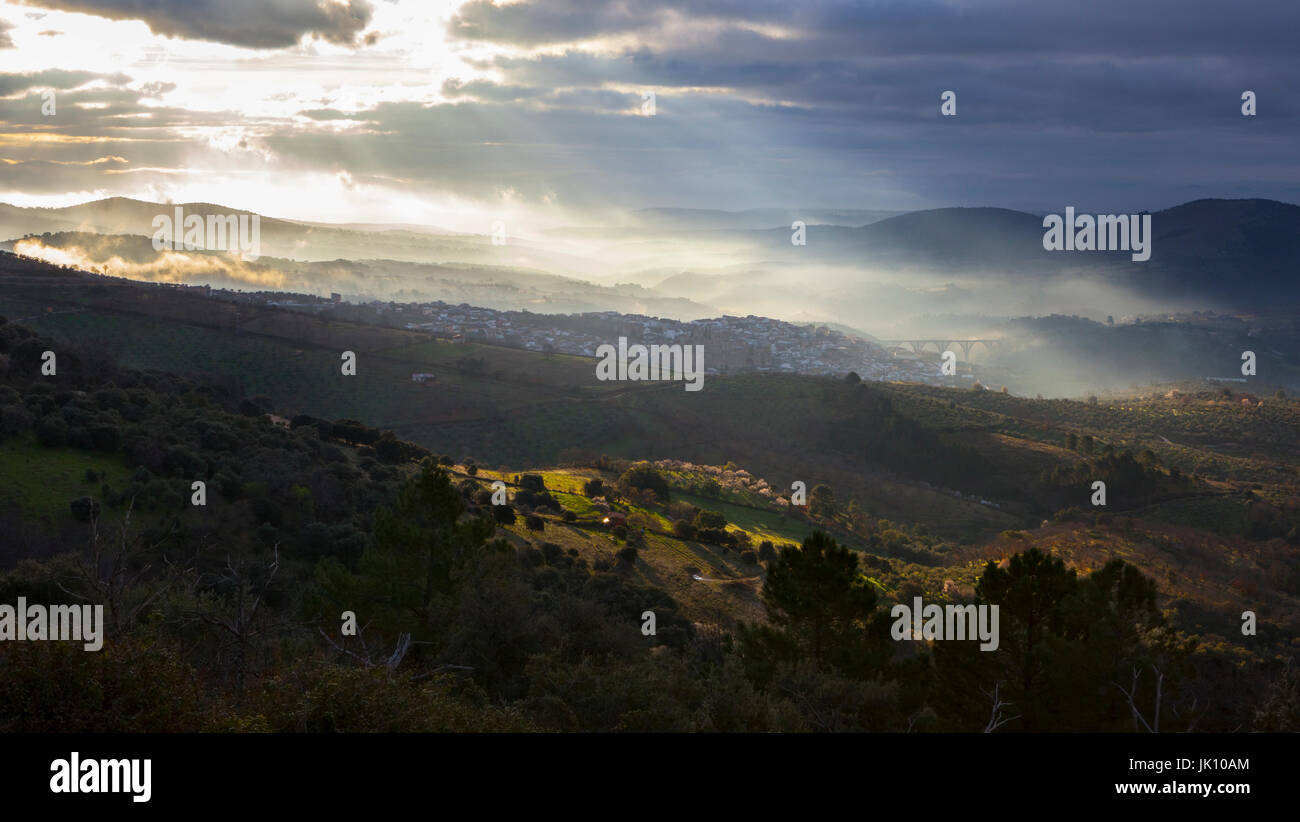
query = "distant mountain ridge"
{"x": 1236, "y": 252}
{"x": 1226, "y": 253}
{"x": 296, "y": 240}
{"x": 757, "y": 218}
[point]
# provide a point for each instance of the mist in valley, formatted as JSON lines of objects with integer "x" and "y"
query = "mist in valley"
{"x": 1069, "y": 327}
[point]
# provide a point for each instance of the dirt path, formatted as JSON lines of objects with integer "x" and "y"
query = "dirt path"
{"x": 699, "y": 578}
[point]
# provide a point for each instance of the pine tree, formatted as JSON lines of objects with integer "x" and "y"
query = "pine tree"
{"x": 822, "y": 609}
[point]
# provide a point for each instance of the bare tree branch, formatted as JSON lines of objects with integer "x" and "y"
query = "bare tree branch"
{"x": 1130, "y": 695}
{"x": 996, "y": 720}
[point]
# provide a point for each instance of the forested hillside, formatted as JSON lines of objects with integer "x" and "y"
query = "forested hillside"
{"x": 267, "y": 569}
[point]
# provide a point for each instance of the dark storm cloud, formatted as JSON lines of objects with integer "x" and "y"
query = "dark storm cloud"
{"x": 1142, "y": 28}
{"x": 1129, "y": 67}
{"x": 552, "y": 22}
{"x": 1109, "y": 99}
{"x": 1156, "y": 95}
{"x": 584, "y": 148}
{"x": 255, "y": 24}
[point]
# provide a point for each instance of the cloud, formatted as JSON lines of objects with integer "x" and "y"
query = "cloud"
{"x": 1131, "y": 104}
{"x": 166, "y": 267}
{"x": 952, "y": 28}
{"x": 156, "y": 88}
{"x": 256, "y": 24}
{"x": 6, "y": 42}
{"x": 328, "y": 114}
{"x": 485, "y": 90}
{"x": 558, "y": 21}
{"x": 55, "y": 176}
{"x": 53, "y": 78}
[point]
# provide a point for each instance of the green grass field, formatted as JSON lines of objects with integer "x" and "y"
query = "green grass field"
{"x": 516, "y": 408}
{"x": 761, "y": 525}
{"x": 40, "y": 481}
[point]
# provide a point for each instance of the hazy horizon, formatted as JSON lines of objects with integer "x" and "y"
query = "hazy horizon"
{"x": 648, "y": 158}
{"x": 455, "y": 114}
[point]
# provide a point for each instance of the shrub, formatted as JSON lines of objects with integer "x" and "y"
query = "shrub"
{"x": 876, "y": 563}
{"x": 627, "y": 556}
{"x": 84, "y": 509}
{"x": 710, "y": 520}
{"x": 107, "y": 398}
{"x": 392, "y": 450}
{"x": 682, "y": 510}
{"x": 1071, "y": 514}
{"x": 15, "y": 419}
{"x": 348, "y": 430}
{"x": 821, "y": 501}
{"x": 532, "y": 482}
{"x": 535, "y": 500}
{"x": 105, "y": 437}
{"x": 533, "y": 522}
{"x": 714, "y": 536}
{"x": 644, "y": 476}
{"x": 52, "y": 431}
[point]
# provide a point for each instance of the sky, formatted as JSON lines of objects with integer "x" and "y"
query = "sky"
{"x": 455, "y": 114}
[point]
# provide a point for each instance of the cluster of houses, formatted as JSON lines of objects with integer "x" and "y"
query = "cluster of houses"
{"x": 732, "y": 344}
{"x": 610, "y": 516}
